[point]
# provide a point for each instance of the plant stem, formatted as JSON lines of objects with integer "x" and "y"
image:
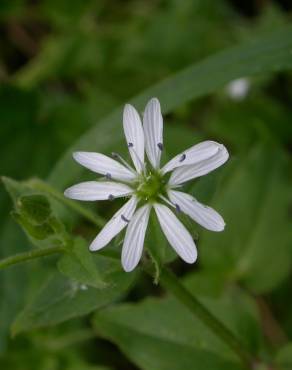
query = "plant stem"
{"x": 170, "y": 282}
{"x": 75, "y": 206}
{"x": 30, "y": 255}
{"x": 271, "y": 328}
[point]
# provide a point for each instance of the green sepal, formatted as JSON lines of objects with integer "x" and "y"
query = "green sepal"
{"x": 35, "y": 207}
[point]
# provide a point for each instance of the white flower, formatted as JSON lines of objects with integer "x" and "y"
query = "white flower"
{"x": 149, "y": 186}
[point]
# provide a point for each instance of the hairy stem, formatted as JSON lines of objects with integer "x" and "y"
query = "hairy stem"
{"x": 30, "y": 255}
{"x": 171, "y": 283}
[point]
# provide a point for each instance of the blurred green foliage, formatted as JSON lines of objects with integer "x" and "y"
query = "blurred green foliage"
{"x": 66, "y": 67}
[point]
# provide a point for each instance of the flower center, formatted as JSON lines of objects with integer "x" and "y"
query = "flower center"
{"x": 150, "y": 187}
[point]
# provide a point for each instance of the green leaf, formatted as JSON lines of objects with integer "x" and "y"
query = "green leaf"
{"x": 15, "y": 188}
{"x": 255, "y": 245}
{"x": 61, "y": 298}
{"x": 270, "y": 53}
{"x": 162, "y": 334}
{"x": 12, "y": 242}
{"x": 151, "y": 353}
{"x": 243, "y": 123}
{"x": 34, "y": 213}
{"x": 36, "y": 233}
{"x": 78, "y": 264}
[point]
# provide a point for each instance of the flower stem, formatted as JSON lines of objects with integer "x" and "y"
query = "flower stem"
{"x": 171, "y": 283}
{"x": 30, "y": 255}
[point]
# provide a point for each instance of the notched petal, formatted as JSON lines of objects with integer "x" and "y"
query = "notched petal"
{"x": 202, "y": 214}
{"x": 134, "y": 136}
{"x": 134, "y": 238}
{"x": 97, "y": 190}
{"x": 188, "y": 172}
{"x": 115, "y": 225}
{"x": 104, "y": 165}
{"x": 176, "y": 234}
{"x": 193, "y": 155}
{"x": 153, "y": 129}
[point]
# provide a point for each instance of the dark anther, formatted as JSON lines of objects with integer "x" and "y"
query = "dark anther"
{"x": 124, "y": 219}
{"x": 182, "y": 158}
{"x": 108, "y": 176}
{"x": 160, "y": 146}
{"x": 115, "y": 155}
{"x": 177, "y": 207}
{"x": 111, "y": 197}
{"x": 130, "y": 145}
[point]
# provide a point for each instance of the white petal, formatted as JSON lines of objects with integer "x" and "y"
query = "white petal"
{"x": 134, "y": 135}
{"x": 104, "y": 165}
{"x": 186, "y": 173}
{"x": 195, "y": 154}
{"x": 203, "y": 215}
{"x": 115, "y": 225}
{"x": 134, "y": 239}
{"x": 97, "y": 190}
{"x": 153, "y": 129}
{"x": 176, "y": 234}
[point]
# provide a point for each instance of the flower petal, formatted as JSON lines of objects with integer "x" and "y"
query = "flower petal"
{"x": 195, "y": 154}
{"x": 203, "y": 215}
{"x": 134, "y": 239}
{"x": 115, "y": 225}
{"x": 153, "y": 129}
{"x": 134, "y": 135}
{"x": 186, "y": 173}
{"x": 104, "y": 165}
{"x": 97, "y": 190}
{"x": 176, "y": 234}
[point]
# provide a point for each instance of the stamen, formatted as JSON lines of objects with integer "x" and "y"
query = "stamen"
{"x": 130, "y": 145}
{"x": 125, "y": 219}
{"x": 108, "y": 176}
{"x": 111, "y": 197}
{"x": 182, "y": 158}
{"x": 177, "y": 207}
{"x": 167, "y": 201}
{"x": 160, "y": 146}
{"x": 121, "y": 159}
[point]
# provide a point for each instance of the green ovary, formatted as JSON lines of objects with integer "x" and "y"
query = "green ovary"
{"x": 151, "y": 187}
